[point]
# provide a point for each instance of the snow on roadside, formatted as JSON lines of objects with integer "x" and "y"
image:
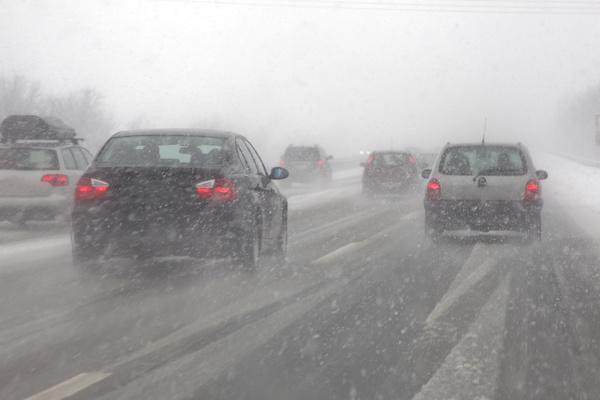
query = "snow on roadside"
{"x": 577, "y": 189}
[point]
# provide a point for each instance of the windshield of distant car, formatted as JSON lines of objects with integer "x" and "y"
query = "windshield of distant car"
{"x": 154, "y": 150}
{"x": 301, "y": 154}
{"x": 28, "y": 159}
{"x": 483, "y": 160}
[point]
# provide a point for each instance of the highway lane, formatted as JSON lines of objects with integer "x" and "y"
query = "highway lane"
{"x": 365, "y": 308}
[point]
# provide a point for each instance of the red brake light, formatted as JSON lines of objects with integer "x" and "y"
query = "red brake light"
{"x": 320, "y": 163}
{"x": 532, "y": 191}
{"x": 434, "y": 190}
{"x": 216, "y": 189}
{"x": 370, "y": 159}
{"x": 56, "y": 179}
{"x": 90, "y": 189}
{"x": 281, "y": 163}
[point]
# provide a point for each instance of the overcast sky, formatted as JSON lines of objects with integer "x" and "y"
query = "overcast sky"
{"x": 350, "y": 79}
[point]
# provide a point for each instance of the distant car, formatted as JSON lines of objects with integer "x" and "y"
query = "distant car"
{"x": 307, "y": 164}
{"x": 38, "y": 170}
{"x": 197, "y": 193}
{"x": 389, "y": 171}
{"x": 484, "y": 187}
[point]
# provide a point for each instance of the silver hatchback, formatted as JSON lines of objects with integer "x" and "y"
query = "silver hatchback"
{"x": 483, "y": 187}
{"x": 37, "y": 178}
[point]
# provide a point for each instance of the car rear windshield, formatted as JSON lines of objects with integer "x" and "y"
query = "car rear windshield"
{"x": 391, "y": 159}
{"x": 172, "y": 151}
{"x": 301, "y": 154}
{"x": 483, "y": 160}
{"x": 28, "y": 159}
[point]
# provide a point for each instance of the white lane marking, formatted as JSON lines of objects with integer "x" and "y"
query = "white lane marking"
{"x": 179, "y": 378}
{"x": 471, "y": 369}
{"x": 338, "y": 252}
{"x": 477, "y": 267}
{"x": 353, "y": 246}
{"x": 70, "y": 386}
{"x": 412, "y": 215}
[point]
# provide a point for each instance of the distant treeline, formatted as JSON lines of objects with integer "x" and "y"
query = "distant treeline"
{"x": 579, "y": 114}
{"x": 83, "y": 109}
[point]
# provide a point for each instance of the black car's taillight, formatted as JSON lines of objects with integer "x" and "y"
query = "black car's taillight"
{"x": 90, "y": 189}
{"x": 216, "y": 189}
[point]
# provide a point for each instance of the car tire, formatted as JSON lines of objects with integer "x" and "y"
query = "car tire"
{"x": 249, "y": 251}
{"x": 86, "y": 260}
{"x": 282, "y": 241}
{"x": 534, "y": 226}
{"x": 432, "y": 228}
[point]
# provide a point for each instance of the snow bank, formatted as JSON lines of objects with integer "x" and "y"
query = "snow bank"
{"x": 576, "y": 187}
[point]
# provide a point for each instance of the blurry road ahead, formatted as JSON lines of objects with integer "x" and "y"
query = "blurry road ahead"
{"x": 366, "y": 308}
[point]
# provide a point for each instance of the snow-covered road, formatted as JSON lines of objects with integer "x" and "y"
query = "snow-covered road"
{"x": 366, "y": 308}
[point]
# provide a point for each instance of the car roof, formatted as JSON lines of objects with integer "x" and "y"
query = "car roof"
{"x": 38, "y": 145}
{"x": 479, "y": 144}
{"x": 176, "y": 132}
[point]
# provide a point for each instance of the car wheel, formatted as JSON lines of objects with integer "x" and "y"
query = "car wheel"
{"x": 534, "y": 226}
{"x": 432, "y": 228}
{"x": 249, "y": 252}
{"x": 86, "y": 260}
{"x": 281, "y": 250}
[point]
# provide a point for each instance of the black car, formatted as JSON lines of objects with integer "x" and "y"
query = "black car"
{"x": 307, "y": 164}
{"x": 389, "y": 171}
{"x": 198, "y": 193}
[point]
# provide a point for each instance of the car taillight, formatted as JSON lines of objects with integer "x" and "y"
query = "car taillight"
{"x": 434, "y": 190}
{"x": 56, "y": 179}
{"x": 90, "y": 189}
{"x": 532, "y": 191}
{"x": 370, "y": 159}
{"x": 321, "y": 163}
{"x": 281, "y": 163}
{"x": 216, "y": 189}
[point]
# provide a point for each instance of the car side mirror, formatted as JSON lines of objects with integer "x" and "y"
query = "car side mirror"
{"x": 278, "y": 173}
{"x": 329, "y": 158}
{"x": 426, "y": 173}
{"x": 363, "y": 164}
{"x": 541, "y": 174}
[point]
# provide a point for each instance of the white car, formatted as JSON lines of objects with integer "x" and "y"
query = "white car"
{"x": 38, "y": 178}
{"x": 483, "y": 187}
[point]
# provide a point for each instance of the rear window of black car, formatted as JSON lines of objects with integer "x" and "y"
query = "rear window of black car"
{"x": 301, "y": 154}
{"x": 28, "y": 159}
{"x": 391, "y": 159}
{"x": 172, "y": 150}
{"x": 483, "y": 160}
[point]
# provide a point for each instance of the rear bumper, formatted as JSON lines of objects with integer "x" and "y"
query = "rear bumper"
{"x": 34, "y": 207}
{"x": 206, "y": 234}
{"x": 483, "y": 216}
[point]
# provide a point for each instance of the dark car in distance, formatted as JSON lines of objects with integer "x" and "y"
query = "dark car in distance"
{"x": 197, "y": 193}
{"x": 307, "y": 164}
{"x": 389, "y": 172}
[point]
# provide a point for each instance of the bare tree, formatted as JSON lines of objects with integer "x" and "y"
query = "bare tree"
{"x": 84, "y": 109}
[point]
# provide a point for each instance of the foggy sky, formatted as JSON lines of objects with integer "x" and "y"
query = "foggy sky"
{"x": 349, "y": 79}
